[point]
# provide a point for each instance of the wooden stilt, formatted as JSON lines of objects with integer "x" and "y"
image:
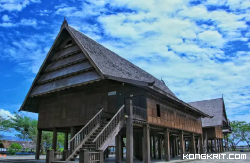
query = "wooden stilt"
{"x": 66, "y": 137}
{"x": 182, "y": 152}
{"x": 154, "y": 146}
{"x": 167, "y": 145}
{"x": 38, "y": 143}
{"x": 146, "y": 144}
{"x": 206, "y": 143}
{"x": 72, "y": 134}
{"x": 201, "y": 145}
{"x": 129, "y": 132}
{"x": 54, "y": 141}
{"x": 215, "y": 145}
{"x": 150, "y": 141}
{"x": 192, "y": 144}
{"x": 174, "y": 147}
{"x": 159, "y": 147}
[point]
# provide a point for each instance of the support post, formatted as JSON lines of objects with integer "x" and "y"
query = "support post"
{"x": 146, "y": 144}
{"x": 129, "y": 132}
{"x": 159, "y": 147}
{"x": 181, "y": 144}
{"x": 174, "y": 147}
{"x": 192, "y": 144}
{"x": 215, "y": 145}
{"x": 206, "y": 143}
{"x": 38, "y": 143}
{"x": 101, "y": 157}
{"x": 154, "y": 146}
{"x": 167, "y": 145}
{"x": 201, "y": 144}
{"x": 177, "y": 146}
{"x": 50, "y": 156}
{"x": 118, "y": 152}
{"x": 72, "y": 134}
{"x": 54, "y": 142}
{"x": 84, "y": 156}
{"x": 66, "y": 139}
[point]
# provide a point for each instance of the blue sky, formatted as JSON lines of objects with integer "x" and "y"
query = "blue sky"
{"x": 199, "y": 48}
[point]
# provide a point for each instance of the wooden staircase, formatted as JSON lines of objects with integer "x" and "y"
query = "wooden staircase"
{"x": 96, "y": 135}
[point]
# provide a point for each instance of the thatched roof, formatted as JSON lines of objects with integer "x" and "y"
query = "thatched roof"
{"x": 25, "y": 144}
{"x": 213, "y": 107}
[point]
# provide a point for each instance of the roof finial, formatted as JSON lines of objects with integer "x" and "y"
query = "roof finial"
{"x": 222, "y": 95}
{"x": 65, "y": 18}
{"x": 65, "y": 23}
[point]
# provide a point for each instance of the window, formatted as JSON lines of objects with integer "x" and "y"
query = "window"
{"x": 158, "y": 110}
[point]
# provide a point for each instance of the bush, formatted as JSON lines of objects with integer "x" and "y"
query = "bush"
{"x": 11, "y": 151}
{"x": 16, "y": 146}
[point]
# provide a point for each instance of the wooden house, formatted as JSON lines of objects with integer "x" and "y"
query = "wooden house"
{"x": 217, "y": 128}
{"x": 84, "y": 89}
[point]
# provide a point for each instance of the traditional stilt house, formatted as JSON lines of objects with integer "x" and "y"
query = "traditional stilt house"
{"x": 84, "y": 89}
{"x": 217, "y": 128}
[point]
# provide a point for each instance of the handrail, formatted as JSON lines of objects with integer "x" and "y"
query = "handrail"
{"x": 78, "y": 139}
{"x": 108, "y": 123}
{"x": 86, "y": 125}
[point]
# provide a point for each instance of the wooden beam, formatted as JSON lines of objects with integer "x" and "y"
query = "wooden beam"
{"x": 118, "y": 145}
{"x": 192, "y": 143}
{"x": 182, "y": 152}
{"x": 54, "y": 141}
{"x": 174, "y": 147}
{"x": 129, "y": 131}
{"x": 146, "y": 144}
{"x": 38, "y": 143}
{"x": 167, "y": 145}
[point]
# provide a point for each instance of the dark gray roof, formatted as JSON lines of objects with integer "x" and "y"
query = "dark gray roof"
{"x": 111, "y": 64}
{"x": 24, "y": 144}
{"x": 213, "y": 107}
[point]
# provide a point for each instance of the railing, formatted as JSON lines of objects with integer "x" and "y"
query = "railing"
{"x": 77, "y": 140}
{"x": 107, "y": 130}
{"x": 95, "y": 157}
{"x": 139, "y": 113}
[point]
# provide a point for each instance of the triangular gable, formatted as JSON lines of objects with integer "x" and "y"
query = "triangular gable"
{"x": 65, "y": 66}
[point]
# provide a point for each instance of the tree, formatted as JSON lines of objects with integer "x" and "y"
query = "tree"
{"x": 27, "y": 130}
{"x": 240, "y": 133}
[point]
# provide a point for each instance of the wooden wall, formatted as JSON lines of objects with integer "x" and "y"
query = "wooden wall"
{"x": 172, "y": 118}
{"x": 218, "y": 132}
{"x": 77, "y": 108}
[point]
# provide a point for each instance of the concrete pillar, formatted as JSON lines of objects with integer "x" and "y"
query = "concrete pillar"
{"x": 65, "y": 155}
{"x": 118, "y": 148}
{"x": 50, "y": 156}
{"x": 167, "y": 145}
{"x": 177, "y": 146}
{"x": 129, "y": 131}
{"x": 38, "y": 143}
{"x": 146, "y": 144}
{"x": 182, "y": 152}
{"x": 192, "y": 144}
{"x": 206, "y": 143}
{"x": 101, "y": 157}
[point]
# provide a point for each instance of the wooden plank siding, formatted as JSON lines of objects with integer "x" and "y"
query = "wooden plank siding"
{"x": 77, "y": 108}
{"x": 218, "y": 132}
{"x": 169, "y": 117}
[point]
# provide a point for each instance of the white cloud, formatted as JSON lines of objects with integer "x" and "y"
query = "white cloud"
{"x": 5, "y": 18}
{"x": 23, "y": 22}
{"x": 6, "y": 114}
{"x": 15, "y": 5}
{"x": 212, "y": 38}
